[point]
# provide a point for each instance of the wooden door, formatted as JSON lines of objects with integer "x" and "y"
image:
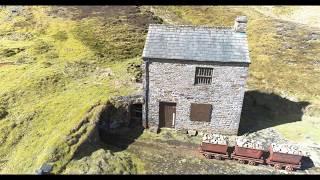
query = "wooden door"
{"x": 167, "y": 114}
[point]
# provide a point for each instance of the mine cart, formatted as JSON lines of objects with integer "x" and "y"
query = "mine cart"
{"x": 280, "y": 160}
{"x": 252, "y": 156}
{"x": 217, "y": 151}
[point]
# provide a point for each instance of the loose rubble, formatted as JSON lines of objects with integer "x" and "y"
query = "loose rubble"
{"x": 215, "y": 139}
{"x": 192, "y": 132}
{"x": 288, "y": 149}
{"x": 246, "y": 143}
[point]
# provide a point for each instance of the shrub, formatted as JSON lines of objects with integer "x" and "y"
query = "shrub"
{"x": 42, "y": 47}
{"x": 3, "y": 112}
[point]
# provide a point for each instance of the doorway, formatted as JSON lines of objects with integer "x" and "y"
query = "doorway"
{"x": 167, "y": 114}
{"x": 135, "y": 115}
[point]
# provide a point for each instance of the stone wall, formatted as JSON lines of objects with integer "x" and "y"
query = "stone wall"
{"x": 173, "y": 81}
{"x": 117, "y": 111}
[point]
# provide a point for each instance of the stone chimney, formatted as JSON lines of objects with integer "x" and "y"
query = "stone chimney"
{"x": 240, "y": 24}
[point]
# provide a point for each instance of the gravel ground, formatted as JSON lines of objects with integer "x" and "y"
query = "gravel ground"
{"x": 162, "y": 158}
{"x": 172, "y": 156}
{"x": 172, "y": 152}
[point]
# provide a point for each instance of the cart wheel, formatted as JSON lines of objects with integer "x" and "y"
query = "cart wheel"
{"x": 252, "y": 163}
{"x": 241, "y": 161}
{"x": 289, "y": 168}
{"x": 217, "y": 157}
{"x": 277, "y": 166}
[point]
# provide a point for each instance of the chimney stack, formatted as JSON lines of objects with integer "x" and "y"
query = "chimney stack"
{"x": 240, "y": 24}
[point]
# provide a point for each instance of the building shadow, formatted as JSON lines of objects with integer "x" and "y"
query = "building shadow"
{"x": 119, "y": 125}
{"x": 120, "y": 139}
{"x": 262, "y": 110}
{"x": 307, "y": 163}
{"x": 116, "y": 140}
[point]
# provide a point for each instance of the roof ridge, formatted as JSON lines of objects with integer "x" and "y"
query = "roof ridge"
{"x": 194, "y": 26}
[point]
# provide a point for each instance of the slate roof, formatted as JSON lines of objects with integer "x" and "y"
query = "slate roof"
{"x": 196, "y": 43}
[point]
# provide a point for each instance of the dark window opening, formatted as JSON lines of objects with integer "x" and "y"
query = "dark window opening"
{"x": 203, "y": 75}
{"x": 135, "y": 115}
{"x": 200, "y": 112}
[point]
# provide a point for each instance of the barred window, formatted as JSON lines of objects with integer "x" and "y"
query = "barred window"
{"x": 203, "y": 75}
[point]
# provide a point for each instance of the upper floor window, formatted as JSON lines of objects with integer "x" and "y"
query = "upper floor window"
{"x": 203, "y": 75}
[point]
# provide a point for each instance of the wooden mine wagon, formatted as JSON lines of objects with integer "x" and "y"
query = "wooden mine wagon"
{"x": 252, "y": 156}
{"x": 280, "y": 160}
{"x": 217, "y": 151}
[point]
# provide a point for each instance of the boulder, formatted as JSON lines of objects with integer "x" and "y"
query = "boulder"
{"x": 154, "y": 129}
{"x": 215, "y": 139}
{"x": 249, "y": 143}
{"x": 192, "y": 132}
{"x": 182, "y": 131}
{"x": 289, "y": 149}
{"x": 45, "y": 169}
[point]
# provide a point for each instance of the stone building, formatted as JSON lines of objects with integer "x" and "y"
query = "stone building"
{"x": 194, "y": 77}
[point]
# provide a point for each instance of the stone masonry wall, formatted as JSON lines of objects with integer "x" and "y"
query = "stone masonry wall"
{"x": 173, "y": 81}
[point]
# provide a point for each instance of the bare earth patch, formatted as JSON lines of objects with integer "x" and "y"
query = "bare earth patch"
{"x": 161, "y": 157}
{"x": 172, "y": 152}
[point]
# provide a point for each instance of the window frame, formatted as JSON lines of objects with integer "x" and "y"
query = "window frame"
{"x": 199, "y": 75}
{"x": 194, "y": 117}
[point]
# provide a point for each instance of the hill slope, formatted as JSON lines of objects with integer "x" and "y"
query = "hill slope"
{"x": 307, "y": 15}
{"x": 56, "y": 64}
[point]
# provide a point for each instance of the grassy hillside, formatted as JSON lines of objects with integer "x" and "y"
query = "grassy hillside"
{"x": 308, "y": 15}
{"x": 57, "y": 63}
{"x": 54, "y": 68}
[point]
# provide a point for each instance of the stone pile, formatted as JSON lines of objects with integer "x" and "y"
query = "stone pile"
{"x": 215, "y": 139}
{"x": 249, "y": 143}
{"x": 288, "y": 149}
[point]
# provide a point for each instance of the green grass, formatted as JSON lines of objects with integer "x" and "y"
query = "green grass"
{"x": 301, "y": 131}
{"x": 44, "y": 115}
{"x": 103, "y": 162}
{"x": 55, "y": 80}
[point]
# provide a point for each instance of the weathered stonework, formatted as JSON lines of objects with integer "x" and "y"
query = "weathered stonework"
{"x": 173, "y": 81}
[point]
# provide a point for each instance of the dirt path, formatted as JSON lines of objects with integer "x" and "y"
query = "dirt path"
{"x": 175, "y": 153}
{"x": 179, "y": 158}
{"x": 168, "y": 152}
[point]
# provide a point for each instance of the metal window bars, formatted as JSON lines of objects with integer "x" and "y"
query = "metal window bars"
{"x": 203, "y": 75}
